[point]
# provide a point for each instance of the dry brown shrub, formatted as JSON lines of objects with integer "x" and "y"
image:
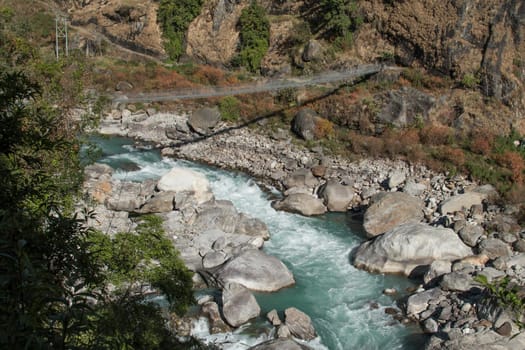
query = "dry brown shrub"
{"x": 436, "y": 135}
{"x": 367, "y": 145}
{"x": 515, "y": 163}
{"x": 209, "y": 75}
{"x": 482, "y": 142}
{"x": 323, "y": 128}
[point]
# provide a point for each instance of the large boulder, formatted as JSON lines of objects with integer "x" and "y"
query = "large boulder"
{"x": 406, "y": 247}
{"x": 204, "y": 120}
{"x": 302, "y": 178}
{"x": 255, "y": 270}
{"x": 301, "y": 203}
{"x": 239, "y": 305}
{"x": 210, "y": 309}
{"x": 127, "y": 196}
{"x": 461, "y": 202}
{"x": 305, "y": 122}
{"x": 280, "y": 344}
{"x": 218, "y": 214}
{"x": 299, "y": 324}
{"x": 160, "y": 203}
{"x": 186, "y": 180}
{"x": 336, "y": 196}
{"x": 390, "y": 210}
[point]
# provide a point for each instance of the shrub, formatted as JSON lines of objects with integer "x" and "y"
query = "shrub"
{"x": 470, "y": 81}
{"x": 174, "y": 17}
{"x": 323, "y": 128}
{"x": 515, "y": 163}
{"x": 229, "y": 107}
{"x": 254, "y": 37}
{"x": 436, "y": 135}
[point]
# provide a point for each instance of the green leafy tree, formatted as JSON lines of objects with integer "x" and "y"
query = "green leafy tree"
{"x": 174, "y": 17}
{"x": 254, "y": 37}
{"x": 335, "y": 18}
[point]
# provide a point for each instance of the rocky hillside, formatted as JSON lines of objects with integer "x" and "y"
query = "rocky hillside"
{"x": 480, "y": 42}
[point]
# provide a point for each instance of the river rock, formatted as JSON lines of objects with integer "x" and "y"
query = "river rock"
{"x": 301, "y": 203}
{"x": 299, "y": 323}
{"x": 255, "y": 270}
{"x": 486, "y": 339}
{"x": 430, "y": 326}
{"x": 186, "y": 180}
{"x": 494, "y": 248}
{"x": 395, "y": 179}
{"x": 414, "y": 189}
{"x": 251, "y": 227}
{"x": 283, "y": 331}
{"x": 204, "y": 120}
{"x": 457, "y": 281}
{"x": 436, "y": 269}
{"x": 417, "y": 303}
{"x": 210, "y": 309}
{"x": 301, "y": 178}
{"x": 471, "y": 233}
{"x": 160, "y": 203}
{"x": 218, "y": 214}
{"x": 280, "y": 344}
{"x": 127, "y": 196}
{"x": 304, "y": 123}
{"x": 461, "y": 202}
{"x": 336, "y": 197}
{"x": 213, "y": 259}
{"x": 239, "y": 305}
{"x": 409, "y": 246}
{"x": 390, "y": 210}
{"x": 273, "y": 317}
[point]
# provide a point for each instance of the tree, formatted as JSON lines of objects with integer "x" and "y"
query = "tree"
{"x": 174, "y": 17}
{"x": 335, "y": 18}
{"x": 254, "y": 36}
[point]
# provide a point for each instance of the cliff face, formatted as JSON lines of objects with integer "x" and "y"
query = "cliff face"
{"x": 455, "y": 37}
{"x": 130, "y": 23}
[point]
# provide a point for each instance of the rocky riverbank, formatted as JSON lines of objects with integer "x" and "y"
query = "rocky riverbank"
{"x": 446, "y": 231}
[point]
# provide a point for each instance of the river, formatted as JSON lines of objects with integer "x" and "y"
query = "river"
{"x": 347, "y": 305}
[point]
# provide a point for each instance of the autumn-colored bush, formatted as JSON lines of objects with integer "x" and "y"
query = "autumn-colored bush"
{"x": 436, "y": 135}
{"x": 482, "y": 142}
{"x": 368, "y": 145}
{"x": 514, "y": 162}
{"x": 208, "y": 75}
{"x": 323, "y": 128}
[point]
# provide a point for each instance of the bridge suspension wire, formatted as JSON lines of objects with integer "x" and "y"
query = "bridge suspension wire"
{"x": 262, "y": 86}
{"x": 61, "y": 35}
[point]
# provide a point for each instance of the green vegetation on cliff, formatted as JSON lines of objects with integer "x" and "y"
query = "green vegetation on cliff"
{"x": 254, "y": 35}
{"x": 174, "y": 17}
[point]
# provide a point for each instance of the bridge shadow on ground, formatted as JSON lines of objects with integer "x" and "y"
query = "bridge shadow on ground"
{"x": 269, "y": 115}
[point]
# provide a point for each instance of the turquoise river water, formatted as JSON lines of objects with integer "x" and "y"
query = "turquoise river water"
{"x": 337, "y": 296}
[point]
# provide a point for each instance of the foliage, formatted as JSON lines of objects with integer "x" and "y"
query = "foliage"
{"x": 174, "y": 17}
{"x": 335, "y": 18}
{"x": 323, "y": 128}
{"x": 229, "y": 107}
{"x": 505, "y": 294}
{"x": 470, "y": 81}
{"x": 254, "y": 37}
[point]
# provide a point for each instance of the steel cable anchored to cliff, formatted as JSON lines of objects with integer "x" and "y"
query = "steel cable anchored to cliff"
{"x": 260, "y": 86}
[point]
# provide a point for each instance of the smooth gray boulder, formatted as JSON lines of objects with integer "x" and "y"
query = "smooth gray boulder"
{"x": 406, "y": 247}
{"x": 436, "y": 269}
{"x": 255, "y": 270}
{"x": 483, "y": 340}
{"x": 494, "y": 248}
{"x": 304, "y": 123}
{"x": 204, "y": 120}
{"x": 218, "y": 214}
{"x": 336, "y": 196}
{"x": 457, "y": 281}
{"x": 389, "y": 210}
{"x": 301, "y": 178}
{"x": 210, "y": 309}
{"x": 127, "y": 196}
{"x": 313, "y": 51}
{"x": 213, "y": 259}
{"x": 417, "y": 303}
{"x": 186, "y": 180}
{"x": 461, "y": 202}
{"x": 414, "y": 188}
{"x": 395, "y": 179}
{"x": 299, "y": 324}
{"x": 471, "y": 233}
{"x": 301, "y": 203}
{"x": 160, "y": 203}
{"x": 280, "y": 344}
{"x": 239, "y": 305}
